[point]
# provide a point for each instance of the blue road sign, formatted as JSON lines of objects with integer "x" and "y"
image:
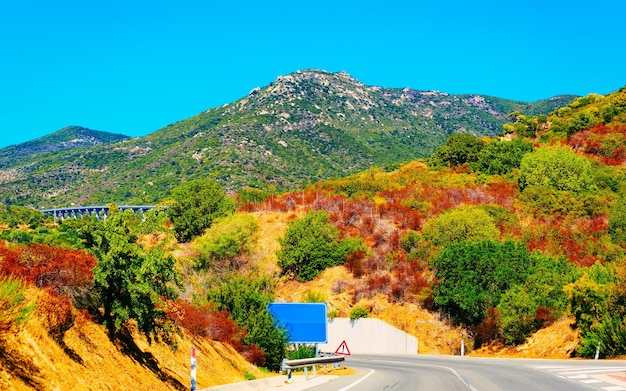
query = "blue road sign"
{"x": 304, "y": 322}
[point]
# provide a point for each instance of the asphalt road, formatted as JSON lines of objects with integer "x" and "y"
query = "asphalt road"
{"x": 422, "y": 372}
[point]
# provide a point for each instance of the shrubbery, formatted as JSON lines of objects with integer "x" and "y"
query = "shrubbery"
{"x": 226, "y": 242}
{"x": 247, "y": 300}
{"x": 598, "y": 301}
{"x": 473, "y": 276}
{"x": 205, "y": 321}
{"x": 130, "y": 281}
{"x": 460, "y": 148}
{"x": 311, "y": 245}
{"x": 469, "y": 223}
{"x": 359, "y": 312}
{"x": 196, "y": 204}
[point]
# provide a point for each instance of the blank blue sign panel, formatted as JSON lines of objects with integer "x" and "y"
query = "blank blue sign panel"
{"x": 304, "y": 322}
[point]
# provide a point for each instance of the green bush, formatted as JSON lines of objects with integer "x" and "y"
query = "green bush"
{"x": 359, "y": 312}
{"x": 196, "y": 204}
{"x": 598, "y": 303}
{"x": 473, "y": 276}
{"x": 463, "y": 223}
{"x": 246, "y": 298}
{"x": 301, "y": 351}
{"x": 460, "y": 148}
{"x": 502, "y": 157}
{"x": 311, "y": 245}
{"x": 539, "y": 300}
{"x": 617, "y": 221}
{"x": 557, "y": 168}
{"x": 227, "y": 239}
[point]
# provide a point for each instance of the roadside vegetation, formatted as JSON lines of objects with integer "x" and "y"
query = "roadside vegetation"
{"x": 503, "y": 237}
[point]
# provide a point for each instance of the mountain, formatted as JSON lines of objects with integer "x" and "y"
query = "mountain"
{"x": 303, "y": 127}
{"x": 67, "y": 138}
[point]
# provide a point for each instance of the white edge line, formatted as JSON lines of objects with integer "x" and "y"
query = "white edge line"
{"x": 358, "y": 381}
{"x": 471, "y": 387}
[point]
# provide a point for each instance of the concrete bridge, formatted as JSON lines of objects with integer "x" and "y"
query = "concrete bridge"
{"x": 100, "y": 212}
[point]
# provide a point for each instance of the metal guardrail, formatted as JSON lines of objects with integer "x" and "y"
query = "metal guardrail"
{"x": 305, "y": 363}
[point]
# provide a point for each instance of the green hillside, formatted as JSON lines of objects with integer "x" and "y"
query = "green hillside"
{"x": 67, "y": 138}
{"x": 304, "y": 127}
{"x": 491, "y": 241}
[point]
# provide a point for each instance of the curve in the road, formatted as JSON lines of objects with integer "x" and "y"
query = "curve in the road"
{"x": 358, "y": 381}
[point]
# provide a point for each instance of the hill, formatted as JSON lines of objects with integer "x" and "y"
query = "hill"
{"x": 67, "y": 138}
{"x": 304, "y": 127}
{"x": 488, "y": 242}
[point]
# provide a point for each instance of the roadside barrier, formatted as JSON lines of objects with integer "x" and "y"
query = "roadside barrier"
{"x": 305, "y": 363}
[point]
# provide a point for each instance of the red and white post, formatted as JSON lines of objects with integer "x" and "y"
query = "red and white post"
{"x": 193, "y": 369}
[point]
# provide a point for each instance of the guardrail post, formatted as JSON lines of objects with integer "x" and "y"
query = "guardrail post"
{"x": 309, "y": 362}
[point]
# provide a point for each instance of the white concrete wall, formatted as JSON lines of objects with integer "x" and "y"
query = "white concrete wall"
{"x": 368, "y": 335}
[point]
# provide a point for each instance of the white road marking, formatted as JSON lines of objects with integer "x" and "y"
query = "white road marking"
{"x": 358, "y": 381}
{"x": 583, "y": 374}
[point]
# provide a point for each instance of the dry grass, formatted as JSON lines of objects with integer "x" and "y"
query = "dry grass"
{"x": 272, "y": 225}
{"x": 557, "y": 341}
{"x": 32, "y": 359}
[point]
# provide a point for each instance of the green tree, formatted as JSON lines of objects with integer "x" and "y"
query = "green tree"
{"x": 195, "y": 205}
{"x": 473, "y": 275}
{"x": 541, "y": 298}
{"x": 590, "y": 304}
{"x": 502, "y": 157}
{"x": 557, "y": 168}
{"x": 249, "y": 195}
{"x": 460, "y": 148}
{"x": 311, "y": 244}
{"x": 580, "y": 121}
{"x": 617, "y": 221}
{"x": 247, "y": 300}
{"x": 518, "y": 320}
{"x": 522, "y": 125}
{"x": 470, "y": 223}
{"x": 130, "y": 281}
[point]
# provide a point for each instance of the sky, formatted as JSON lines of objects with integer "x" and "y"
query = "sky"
{"x": 133, "y": 67}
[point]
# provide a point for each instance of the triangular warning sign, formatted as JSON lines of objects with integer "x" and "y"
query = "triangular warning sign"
{"x": 343, "y": 349}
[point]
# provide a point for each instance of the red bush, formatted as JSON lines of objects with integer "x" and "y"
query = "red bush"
{"x": 488, "y": 331}
{"x": 544, "y": 315}
{"x": 354, "y": 262}
{"x": 378, "y": 282}
{"x": 206, "y": 322}
{"x": 56, "y": 268}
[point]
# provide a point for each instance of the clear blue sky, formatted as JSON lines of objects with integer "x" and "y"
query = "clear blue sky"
{"x": 133, "y": 67}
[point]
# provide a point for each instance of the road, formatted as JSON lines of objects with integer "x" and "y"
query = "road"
{"x": 398, "y": 373}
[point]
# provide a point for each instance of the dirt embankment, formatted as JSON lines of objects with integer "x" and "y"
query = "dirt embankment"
{"x": 70, "y": 352}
